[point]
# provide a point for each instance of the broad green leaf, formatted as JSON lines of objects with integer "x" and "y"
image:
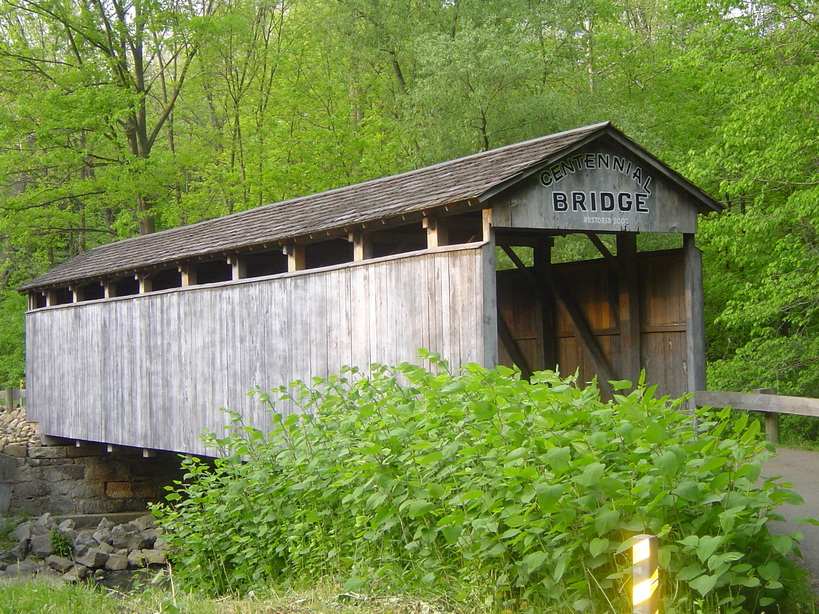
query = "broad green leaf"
{"x": 689, "y": 572}
{"x": 432, "y": 457}
{"x": 436, "y": 490}
{"x": 668, "y": 463}
{"x": 598, "y": 546}
{"x": 655, "y": 433}
{"x": 534, "y": 560}
{"x": 548, "y": 496}
{"x": 688, "y": 490}
{"x": 782, "y": 544}
{"x": 770, "y": 571}
{"x": 419, "y": 507}
{"x": 451, "y": 534}
{"x": 471, "y": 495}
{"x": 704, "y": 584}
{"x": 591, "y": 474}
{"x": 558, "y": 458}
{"x": 708, "y": 545}
{"x": 605, "y": 520}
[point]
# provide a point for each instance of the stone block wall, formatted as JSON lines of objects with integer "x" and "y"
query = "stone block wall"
{"x": 86, "y": 480}
{"x": 66, "y": 479}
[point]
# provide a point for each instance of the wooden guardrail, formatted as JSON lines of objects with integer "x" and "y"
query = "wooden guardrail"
{"x": 763, "y": 400}
{"x": 13, "y": 395}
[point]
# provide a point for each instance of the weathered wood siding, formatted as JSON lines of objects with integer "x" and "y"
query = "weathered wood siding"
{"x": 154, "y": 370}
{"x": 599, "y": 188}
{"x": 594, "y": 285}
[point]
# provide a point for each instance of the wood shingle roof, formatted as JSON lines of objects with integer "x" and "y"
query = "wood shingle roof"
{"x": 466, "y": 179}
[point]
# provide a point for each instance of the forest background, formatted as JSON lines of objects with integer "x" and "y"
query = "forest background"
{"x": 119, "y": 118}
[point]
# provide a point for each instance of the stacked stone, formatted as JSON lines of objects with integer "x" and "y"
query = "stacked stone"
{"x": 93, "y": 552}
{"x": 15, "y": 430}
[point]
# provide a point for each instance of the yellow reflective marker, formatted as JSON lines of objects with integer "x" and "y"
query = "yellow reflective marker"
{"x": 641, "y": 549}
{"x": 645, "y": 575}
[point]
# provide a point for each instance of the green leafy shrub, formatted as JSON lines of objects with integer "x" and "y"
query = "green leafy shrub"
{"x": 62, "y": 543}
{"x": 489, "y": 489}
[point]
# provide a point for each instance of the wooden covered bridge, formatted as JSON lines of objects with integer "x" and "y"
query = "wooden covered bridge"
{"x": 141, "y": 342}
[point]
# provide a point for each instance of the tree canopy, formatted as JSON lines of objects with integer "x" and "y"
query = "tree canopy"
{"x": 120, "y": 117}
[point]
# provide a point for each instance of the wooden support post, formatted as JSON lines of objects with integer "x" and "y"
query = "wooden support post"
{"x": 437, "y": 232}
{"x": 487, "y": 225}
{"x": 51, "y": 298}
{"x": 296, "y": 257}
{"x": 188, "y": 273}
{"x": 362, "y": 245}
{"x": 9, "y": 399}
{"x": 542, "y": 260}
{"x": 771, "y": 418}
{"x": 694, "y": 316}
{"x": 110, "y": 289}
{"x": 629, "y": 299}
{"x": 145, "y": 284}
{"x": 76, "y": 294}
{"x": 490, "y": 304}
{"x": 146, "y": 453}
{"x": 238, "y": 267}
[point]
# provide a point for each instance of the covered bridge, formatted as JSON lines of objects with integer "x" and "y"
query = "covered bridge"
{"x": 141, "y": 342}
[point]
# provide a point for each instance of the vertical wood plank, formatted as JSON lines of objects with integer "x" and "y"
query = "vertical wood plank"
{"x": 296, "y": 257}
{"x": 695, "y": 319}
{"x": 151, "y": 371}
{"x": 629, "y": 306}
{"x": 238, "y": 267}
{"x": 488, "y": 294}
{"x": 437, "y": 231}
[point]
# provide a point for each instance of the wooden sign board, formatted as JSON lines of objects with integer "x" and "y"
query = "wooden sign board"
{"x": 603, "y": 187}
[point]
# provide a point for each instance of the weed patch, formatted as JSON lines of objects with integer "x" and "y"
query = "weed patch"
{"x": 483, "y": 488}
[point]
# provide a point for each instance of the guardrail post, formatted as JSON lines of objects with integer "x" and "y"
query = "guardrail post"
{"x": 645, "y": 574}
{"x": 771, "y": 418}
{"x": 9, "y": 399}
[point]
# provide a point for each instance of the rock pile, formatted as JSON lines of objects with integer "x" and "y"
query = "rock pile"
{"x": 15, "y": 430}
{"x": 42, "y": 547}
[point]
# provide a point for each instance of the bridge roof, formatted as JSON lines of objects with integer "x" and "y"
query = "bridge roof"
{"x": 471, "y": 179}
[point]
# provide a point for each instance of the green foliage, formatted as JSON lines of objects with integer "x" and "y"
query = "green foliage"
{"x": 12, "y": 328}
{"x": 185, "y": 113}
{"x": 487, "y": 488}
{"x": 6, "y": 527}
{"x": 62, "y": 543}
